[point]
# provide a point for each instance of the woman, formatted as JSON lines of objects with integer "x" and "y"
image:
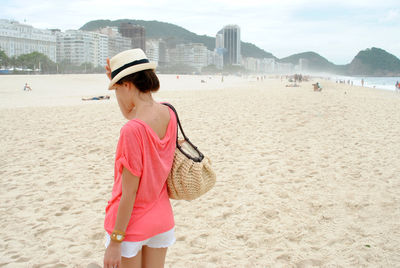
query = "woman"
{"x": 139, "y": 219}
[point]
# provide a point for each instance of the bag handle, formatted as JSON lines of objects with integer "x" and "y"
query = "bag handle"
{"x": 195, "y": 159}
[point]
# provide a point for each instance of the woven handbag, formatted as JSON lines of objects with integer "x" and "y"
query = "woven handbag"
{"x": 191, "y": 174}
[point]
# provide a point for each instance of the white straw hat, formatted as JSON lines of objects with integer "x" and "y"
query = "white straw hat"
{"x": 128, "y": 62}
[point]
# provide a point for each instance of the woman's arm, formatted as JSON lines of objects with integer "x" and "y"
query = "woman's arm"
{"x": 130, "y": 184}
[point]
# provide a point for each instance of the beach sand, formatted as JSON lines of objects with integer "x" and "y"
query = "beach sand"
{"x": 303, "y": 178}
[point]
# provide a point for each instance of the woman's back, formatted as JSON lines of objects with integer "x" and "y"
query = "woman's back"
{"x": 157, "y": 117}
{"x": 149, "y": 156}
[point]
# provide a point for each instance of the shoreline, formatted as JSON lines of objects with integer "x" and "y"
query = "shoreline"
{"x": 67, "y": 90}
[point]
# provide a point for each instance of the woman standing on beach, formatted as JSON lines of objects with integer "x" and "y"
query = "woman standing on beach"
{"x": 139, "y": 221}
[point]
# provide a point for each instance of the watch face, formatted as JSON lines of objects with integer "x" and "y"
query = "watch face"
{"x": 119, "y": 237}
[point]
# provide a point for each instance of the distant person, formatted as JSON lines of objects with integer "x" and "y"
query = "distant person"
{"x": 27, "y": 87}
{"x": 362, "y": 82}
{"x": 97, "y": 98}
{"x": 317, "y": 87}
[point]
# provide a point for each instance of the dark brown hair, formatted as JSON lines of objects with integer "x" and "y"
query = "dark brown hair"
{"x": 145, "y": 81}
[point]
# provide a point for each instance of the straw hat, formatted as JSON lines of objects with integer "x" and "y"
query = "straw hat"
{"x": 128, "y": 62}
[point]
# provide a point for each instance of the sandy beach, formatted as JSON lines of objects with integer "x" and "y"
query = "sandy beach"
{"x": 304, "y": 179}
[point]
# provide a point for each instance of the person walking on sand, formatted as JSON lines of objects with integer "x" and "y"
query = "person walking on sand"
{"x": 139, "y": 221}
{"x": 27, "y": 87}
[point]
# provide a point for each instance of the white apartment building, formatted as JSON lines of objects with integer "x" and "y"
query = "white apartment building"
{"x": 153, "y": 50}
{"x": 251, "y": 64}
{"x": 219, "y": 50}
{"x": 194, "y": 55}
{"x": 78, "y": 47}
{"x": 264, "y": 65}
{"x": 267, "y": 65}
{"x": 302, "y": 66}
{"x": 284, "y": 68}
{"x": 200, "y": 56}
{"x": 17, "y": 39}
{"x": 116, "y": 42}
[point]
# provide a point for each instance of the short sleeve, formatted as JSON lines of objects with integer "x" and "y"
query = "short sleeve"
{"x": 129, "y": 151}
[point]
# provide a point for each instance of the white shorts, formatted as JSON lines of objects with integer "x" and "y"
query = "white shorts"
{"x": 131, "y": 249}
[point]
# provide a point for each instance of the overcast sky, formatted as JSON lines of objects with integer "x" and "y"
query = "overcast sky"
{"x": 337, "y": 30}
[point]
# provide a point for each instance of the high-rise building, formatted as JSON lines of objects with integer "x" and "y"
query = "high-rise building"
{"x": 268, "y": 65}
{"x": 251, "y": 64}
{"x": 162, "y": 53}
{"x": 264, "y": 65}
{"x": 193, "y": 54}
{"x": 219, "y": 50}
{"x": 229, "y": 39}
{"x": 116, "y": 42}
{"x": 284, "y": 67}
{"x": 78, "y": 47}
{"x": 303, "y": 64}
{"x": 153, "y": 50}
{"x": 17, "y": 39}
{"x": 137, "y": 34}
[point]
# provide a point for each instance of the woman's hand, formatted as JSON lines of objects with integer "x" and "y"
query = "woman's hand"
{"x": 181, "y": 142}
{"x": 112, "y": 256}
{"x": 108, "y": 69}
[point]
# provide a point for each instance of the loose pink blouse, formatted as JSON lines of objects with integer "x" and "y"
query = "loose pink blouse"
{"x": 150, "y": 158}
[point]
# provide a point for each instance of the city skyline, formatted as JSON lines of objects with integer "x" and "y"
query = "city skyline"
{"x": 78, "y": 48}
{"x": 337, "y": 30}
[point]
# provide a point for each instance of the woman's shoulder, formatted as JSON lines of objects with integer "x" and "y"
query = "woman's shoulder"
{"x": 131, "y": 127}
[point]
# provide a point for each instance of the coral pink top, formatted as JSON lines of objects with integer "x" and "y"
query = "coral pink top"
{"x": 150, "y": 158}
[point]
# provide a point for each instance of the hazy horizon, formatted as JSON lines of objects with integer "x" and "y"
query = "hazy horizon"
{"x": 336, "y": 30}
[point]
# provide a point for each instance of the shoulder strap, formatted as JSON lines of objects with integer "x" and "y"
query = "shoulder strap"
{"x": 195, "y": 159}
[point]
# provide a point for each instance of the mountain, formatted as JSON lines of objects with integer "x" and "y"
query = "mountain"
{"x": 374, "y": 62}
{"x": 369, "y": 62}
{"x": 174, "y": 34}
{"x": 315, "y": 62}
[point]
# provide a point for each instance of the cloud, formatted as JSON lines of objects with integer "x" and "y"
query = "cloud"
{"x": 392, "y": 15}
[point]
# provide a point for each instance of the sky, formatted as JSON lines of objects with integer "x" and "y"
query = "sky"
{"x": 337, "y": 30}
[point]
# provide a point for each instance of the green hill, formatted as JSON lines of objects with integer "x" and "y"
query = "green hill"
{"x": 369, "y": 62}
{"x": 374, "y": 62}
{"x": 315, "y": 62}
{"x": 174, "y": 34}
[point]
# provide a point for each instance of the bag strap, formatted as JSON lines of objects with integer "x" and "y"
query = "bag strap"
{"x": 195, "y": 159}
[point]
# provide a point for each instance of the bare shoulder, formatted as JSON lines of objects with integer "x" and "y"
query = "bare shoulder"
{"x": 164, "y": 111}
{"x": 157, "y": 118}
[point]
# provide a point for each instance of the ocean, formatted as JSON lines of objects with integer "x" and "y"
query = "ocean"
{"x": 387, "y": 83}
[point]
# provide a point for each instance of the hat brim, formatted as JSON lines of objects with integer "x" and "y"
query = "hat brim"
{"x": 131, "y": 70}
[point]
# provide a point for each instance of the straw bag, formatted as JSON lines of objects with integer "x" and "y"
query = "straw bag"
{"x": 191, "y": 174}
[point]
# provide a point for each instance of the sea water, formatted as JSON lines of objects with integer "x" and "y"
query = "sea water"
{"x": 387, "y": 83}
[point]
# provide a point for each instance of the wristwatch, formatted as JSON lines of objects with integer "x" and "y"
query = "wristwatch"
{"x": 117, "y": 236}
